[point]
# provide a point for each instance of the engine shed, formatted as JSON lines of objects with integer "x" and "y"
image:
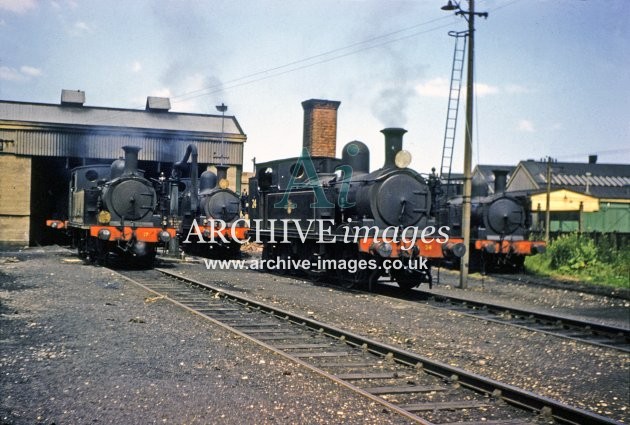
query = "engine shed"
{"x": 40, "y": 143}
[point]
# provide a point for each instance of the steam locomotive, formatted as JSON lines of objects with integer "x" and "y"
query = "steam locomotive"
{"x": 500, "y": 228}
{"x": 112, "y": 210}
{"x": 208, "y": 212}
{"x": 334, "y": 216}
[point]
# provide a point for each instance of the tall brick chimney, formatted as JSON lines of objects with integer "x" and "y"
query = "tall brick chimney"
{"x": 320, "y": 126}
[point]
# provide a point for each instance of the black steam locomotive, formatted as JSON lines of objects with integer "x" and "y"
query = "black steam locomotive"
{"x": 113, "y": 210}
{"x": 327, "y": 215}
{"x": 500, "y": 228}
{"x": 208, "y": 211}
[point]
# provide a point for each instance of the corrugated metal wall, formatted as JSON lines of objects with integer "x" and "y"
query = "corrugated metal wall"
{"x": 611, "y": 217}
{"x": 108, "y": 145}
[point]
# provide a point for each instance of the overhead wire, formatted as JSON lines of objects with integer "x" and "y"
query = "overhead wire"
{"x": 220, "y": 87}
{"x": 238, "y": 82}
{"x": 307, "y": 61}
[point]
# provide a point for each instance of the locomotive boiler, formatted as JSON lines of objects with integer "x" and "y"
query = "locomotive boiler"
{"x": 333, "y": 212}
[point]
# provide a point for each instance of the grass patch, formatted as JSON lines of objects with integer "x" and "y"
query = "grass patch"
{"x": 574, "y": 257}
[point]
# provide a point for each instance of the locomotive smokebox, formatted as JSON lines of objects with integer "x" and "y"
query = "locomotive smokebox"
{"x": 500, "y": 181}
{"x": 131, "y": 160}
{"x": 393, "y": 145}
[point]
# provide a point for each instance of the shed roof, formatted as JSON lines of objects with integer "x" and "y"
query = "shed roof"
{"x": 599, "y": 180}
{"x": 91, "y": 116}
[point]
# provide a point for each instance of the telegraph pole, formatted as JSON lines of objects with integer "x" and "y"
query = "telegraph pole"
{"x": 548, "y": 210}
{"x": 466, "y": 207}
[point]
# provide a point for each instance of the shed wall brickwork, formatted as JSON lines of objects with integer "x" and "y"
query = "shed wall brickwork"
{"x": 15, "y": 199}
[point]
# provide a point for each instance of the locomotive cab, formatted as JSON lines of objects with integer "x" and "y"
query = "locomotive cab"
{"x": 85, "y": 183}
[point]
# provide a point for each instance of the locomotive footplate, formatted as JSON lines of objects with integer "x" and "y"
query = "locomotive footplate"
{"x": 418, "y": 248}
{"x": 143, "y": 234}
{"x": 511, "y": 247}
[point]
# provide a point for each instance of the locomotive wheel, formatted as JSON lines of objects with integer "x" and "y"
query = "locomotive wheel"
{"x": 518, "y": 262}
{"x": 362, "y": 278}
{"x": 274, "y": 253}
{"x": 233, "y": 250}
{"x": 345, "y": 278}
{"x": 101, "y": 253}
{"x": 267, "y": 253}
{"x": 408, "y": 279}
{"x": 283, "y": 255}
{"x": 147, "y": 261}
{"x": 349, "y": 280}
{"x": 315, "y": 274}
{"x": 373, "y": 279}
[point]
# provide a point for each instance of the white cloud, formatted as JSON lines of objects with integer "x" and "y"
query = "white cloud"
{"x": 10, "y": 74}
{"x": 482, "y": 89}
{"x": 30, "y": 71}
{"x": 23, "y": 74}
{"x": 439, "y": 87}
{"x": 526, "y": 126}
{"x": 140, "y": 101}
{"x": 180, "y": 102}
{"x": 136, "y": 66}
{"x": 79, "y": 28}
{"x": 18, "y": 6}
{"x": 163, "y": 92}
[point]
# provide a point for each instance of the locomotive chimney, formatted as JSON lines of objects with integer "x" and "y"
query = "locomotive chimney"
{"x": 131, "y": 159}
{"x": 320, "y": 127}
{"x": 500, "y": 181}
{"x": 592, "y": 159}
{"x": 393, "y": 144}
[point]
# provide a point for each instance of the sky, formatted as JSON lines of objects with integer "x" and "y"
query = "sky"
{"x": 551, "y": 76}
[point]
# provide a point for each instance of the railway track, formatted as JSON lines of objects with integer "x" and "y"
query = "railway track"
{"x": 561, "y": 326}
{"x": 537, "y": 282}
{"x": 414, "y": 386}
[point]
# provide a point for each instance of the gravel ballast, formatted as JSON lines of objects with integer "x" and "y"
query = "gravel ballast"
{"x": 585, "y": 376}
{"x": 565, "y": 299}
{"x": 81, "y": 345}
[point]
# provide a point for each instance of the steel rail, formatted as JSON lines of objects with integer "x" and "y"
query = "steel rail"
{"x": 508, "y": 393}
{"x": 593, "y": 329}
{"x": 405, "y": 413}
